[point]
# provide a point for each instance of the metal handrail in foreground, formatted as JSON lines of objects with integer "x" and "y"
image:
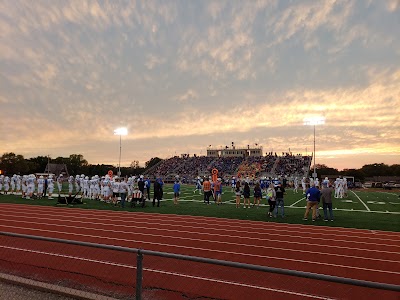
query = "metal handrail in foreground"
{"x": 141, "y": 252}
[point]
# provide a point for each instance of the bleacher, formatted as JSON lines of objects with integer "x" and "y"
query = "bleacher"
{"x": 254, "y": 167}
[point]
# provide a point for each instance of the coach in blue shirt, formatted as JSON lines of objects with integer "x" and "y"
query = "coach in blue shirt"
{"x": 312, "y": 195}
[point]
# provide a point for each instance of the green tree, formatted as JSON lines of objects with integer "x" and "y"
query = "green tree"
{"x": 325, "y": 170}
{"x": 377, "y": 169}
{"x": 152, "y": 162}
{"x": 76, "y": 164}
{"x": 10, "y": 163}
{"x": 38, "y": 164}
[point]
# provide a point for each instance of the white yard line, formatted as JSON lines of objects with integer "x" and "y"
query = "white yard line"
{"x": 361, "y": 201}
{"x": 297, "y": 202}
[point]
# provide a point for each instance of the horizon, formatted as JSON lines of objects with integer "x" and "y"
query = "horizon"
{"x": 182, "y": 75}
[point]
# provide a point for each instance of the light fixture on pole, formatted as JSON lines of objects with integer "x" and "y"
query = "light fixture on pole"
{"x": 120, "y": 131}
{"x": 314, "y": 121}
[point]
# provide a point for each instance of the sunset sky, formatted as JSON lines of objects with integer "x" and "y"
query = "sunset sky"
{"x": 183, "y": 75}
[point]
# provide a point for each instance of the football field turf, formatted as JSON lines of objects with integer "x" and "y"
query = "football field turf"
{"x": 368, "y": 209}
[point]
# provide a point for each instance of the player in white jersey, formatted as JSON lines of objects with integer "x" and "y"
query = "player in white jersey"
{"x": 316, "y": 182}
{"x": 18, "y": 184}
{"x": 295, "y": 185}
{"x": 13, "y": 183}
{"x": 85, "y": 191}
{"x": 40, "y": 187}
{"x": 50, "y": 186}
{"x": 70, "y": 185}
{"x": 233, "y": 183}
{"x": 115, "y": 190}
{"x": 345, "y": 187}
{"x": 198, "y": 185}
{"x": 340, "y": 193}
{"x": 129, "y": 187}
{"x": 59, "y": 183}
{"x": 24, "y": 186}
{"x": 30, "y": 186}
{"x": 96, "y": 187}
{"x": 311, "y": 181}
{"x": 1, "y": 182}
{"x": 304, "y": 185}
{"x": 107, "y": 189}
{"x": 77, "y": 184}
{"x": 6, "y": 185}
{"x": 325, "y": 182}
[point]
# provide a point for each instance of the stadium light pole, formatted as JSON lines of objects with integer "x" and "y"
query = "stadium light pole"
{"x": 314, "y": 121}
{"x": 120, "y": 131}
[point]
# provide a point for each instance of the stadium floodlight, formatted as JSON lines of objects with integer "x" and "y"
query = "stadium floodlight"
{"x": 317, "y": 120}
{"x": 120, "y": 131}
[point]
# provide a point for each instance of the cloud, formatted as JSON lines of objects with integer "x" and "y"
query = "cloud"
{"x": 189, "y": 95}
{"x": 153, "y": 61}
{"x": 392, "y": 5}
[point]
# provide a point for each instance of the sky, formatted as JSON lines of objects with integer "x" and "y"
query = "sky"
{"x": 183, "y": 75}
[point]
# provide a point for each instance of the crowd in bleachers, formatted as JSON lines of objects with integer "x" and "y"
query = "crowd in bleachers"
{"x": 191, "y": 167}
{"x": 289, "y": 164}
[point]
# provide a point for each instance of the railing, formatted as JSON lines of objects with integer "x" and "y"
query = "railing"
{"x": 50, "y": 262}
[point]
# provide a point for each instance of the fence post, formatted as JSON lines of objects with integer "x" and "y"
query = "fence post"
{"x": 139, "y": 274}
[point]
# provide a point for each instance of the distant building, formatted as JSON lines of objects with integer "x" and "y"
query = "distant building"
{"x": 235, "y": 152}
{"x": 57, "y": 169}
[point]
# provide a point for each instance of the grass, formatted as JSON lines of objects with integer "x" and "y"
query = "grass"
{"x": 349, "y": 212}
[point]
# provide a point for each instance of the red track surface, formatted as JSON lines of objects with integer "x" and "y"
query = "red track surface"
{"x": 352, "y": 253}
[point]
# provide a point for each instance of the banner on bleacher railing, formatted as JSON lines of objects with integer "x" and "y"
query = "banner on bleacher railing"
{"x": 214, "y": 173}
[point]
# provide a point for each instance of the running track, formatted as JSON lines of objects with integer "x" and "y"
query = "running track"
{"x": 352, "y": 253}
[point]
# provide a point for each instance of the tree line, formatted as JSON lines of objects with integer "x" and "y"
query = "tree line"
{"x": 11, "y": 163}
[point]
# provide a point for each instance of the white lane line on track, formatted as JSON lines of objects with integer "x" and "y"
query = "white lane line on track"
{"x": 57, "y": 233}
{"x": 269, "y": 233}
{"x": 241, "y": 285}
{"x": 176, "y": 218}
{"x": 361, "y": 201}
{"x": 164, "y": 272}
{"x": 228, "y": 243}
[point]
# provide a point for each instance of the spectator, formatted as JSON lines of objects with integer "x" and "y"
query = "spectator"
{"x": 141, "y": 186}
{"x": 326, "y": 197}
{"x": 257, "y": 195}
{"x": 238, "y": 193}
{"x": 123, "y": 189}
{"x": 147, "y": 184}
{"x": 280, "y": 191}
{"x": 157, "y": 193}
{"x": 207, "y": 190}
{"x": 312, "y": 195}
{"x": 271, "y": 198}
{"x": 246, "y": 195}
{"x": 218, "y": 191}
{"x": 115, "y": 190}
{"x": 177, "y": 189}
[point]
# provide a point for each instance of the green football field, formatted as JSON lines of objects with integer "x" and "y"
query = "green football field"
{"x": 368, "y": 209}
